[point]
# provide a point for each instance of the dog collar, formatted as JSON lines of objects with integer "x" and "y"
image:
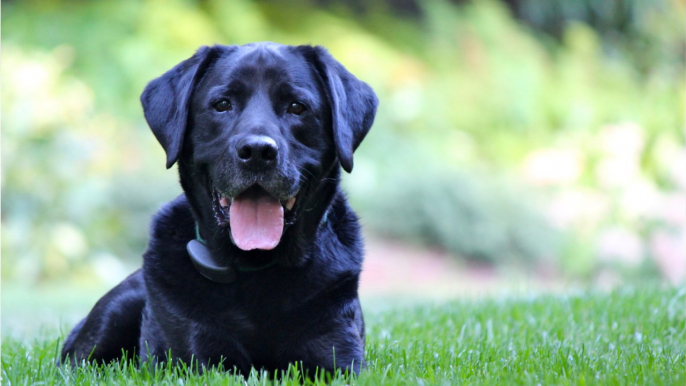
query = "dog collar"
{"x": 204, "y": 262}
{"x": 207, "y": 265}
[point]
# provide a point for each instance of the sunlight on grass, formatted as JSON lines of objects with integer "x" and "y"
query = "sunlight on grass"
{"x": 630, "y": 335}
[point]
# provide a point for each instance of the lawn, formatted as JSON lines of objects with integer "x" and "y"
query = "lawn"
{"x": 627, "y": 336}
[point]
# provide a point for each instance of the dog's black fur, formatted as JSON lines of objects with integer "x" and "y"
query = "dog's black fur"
{"x": 303, "y": 309}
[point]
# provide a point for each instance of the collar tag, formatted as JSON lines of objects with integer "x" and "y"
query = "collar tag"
{"x": 205, "y": 264}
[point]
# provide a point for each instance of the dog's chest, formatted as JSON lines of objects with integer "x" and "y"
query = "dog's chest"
{"x": 258, "y": 304}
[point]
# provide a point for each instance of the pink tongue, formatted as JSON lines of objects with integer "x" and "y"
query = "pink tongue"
{"x": 256, "y": 222}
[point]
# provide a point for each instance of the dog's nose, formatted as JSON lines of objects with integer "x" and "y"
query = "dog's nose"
{"x": 258, "y": 151}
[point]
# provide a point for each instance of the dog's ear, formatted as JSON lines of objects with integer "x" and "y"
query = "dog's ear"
{"x": 353, "y": 105}
{"x": 166, "y": 100}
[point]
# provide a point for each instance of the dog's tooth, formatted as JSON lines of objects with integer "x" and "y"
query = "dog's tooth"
{"x": 290, "y": 203}
{"x": 224, "y": 202}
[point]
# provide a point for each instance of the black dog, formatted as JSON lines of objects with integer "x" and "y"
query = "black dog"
{"x": 257, "y": 264}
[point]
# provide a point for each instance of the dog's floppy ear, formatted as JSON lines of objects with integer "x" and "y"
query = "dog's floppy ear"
{"x": 166, "y": 100}
{"x": 353, "y": 104}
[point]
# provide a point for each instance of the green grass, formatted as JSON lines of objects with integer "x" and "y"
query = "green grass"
{"x": 628, "y": 336}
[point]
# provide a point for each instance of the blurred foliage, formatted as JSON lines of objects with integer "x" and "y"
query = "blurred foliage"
{"x": 635, "y": 30}
{"x": 481, "y": 218}
{"x": 491, "y": 140}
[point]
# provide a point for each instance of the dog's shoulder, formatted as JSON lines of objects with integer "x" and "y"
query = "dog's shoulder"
{"x": 339, "y": 244}
{"x": 173, "y": 221}
{"x": 345, "y": 223}
{"x": 170, "y": 230}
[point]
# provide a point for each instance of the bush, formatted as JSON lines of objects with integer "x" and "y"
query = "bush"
{"x": 464, "y": 213}
{"x": 462, "y": 88}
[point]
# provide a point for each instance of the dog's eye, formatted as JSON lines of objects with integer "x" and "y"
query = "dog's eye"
{"x": 222, "y": 105}
{"x": 296, "y": 108}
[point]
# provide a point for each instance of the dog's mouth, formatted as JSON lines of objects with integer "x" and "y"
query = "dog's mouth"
{"x": 256, "y": 218}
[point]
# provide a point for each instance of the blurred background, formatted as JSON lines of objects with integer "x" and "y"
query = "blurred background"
{"x": 519, "y": 144}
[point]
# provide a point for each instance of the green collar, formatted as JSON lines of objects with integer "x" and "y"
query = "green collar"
{"x": 197, "y": 234}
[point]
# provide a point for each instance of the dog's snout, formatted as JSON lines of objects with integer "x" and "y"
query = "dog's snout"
{"x": 257, "y": 151}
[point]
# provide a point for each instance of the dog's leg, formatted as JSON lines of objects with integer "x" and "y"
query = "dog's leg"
{"x": 339, "y": 350}
{"x": 205, "y": 347}
{"x": 112, "y": 328}
{"x": 214, "y": 347}
{"x": 334, "y": 344}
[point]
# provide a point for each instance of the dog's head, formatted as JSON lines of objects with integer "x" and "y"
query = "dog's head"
{"x": 259, "y": 131}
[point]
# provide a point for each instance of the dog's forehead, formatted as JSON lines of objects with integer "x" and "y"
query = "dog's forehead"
{"x": 264, "y": 62}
